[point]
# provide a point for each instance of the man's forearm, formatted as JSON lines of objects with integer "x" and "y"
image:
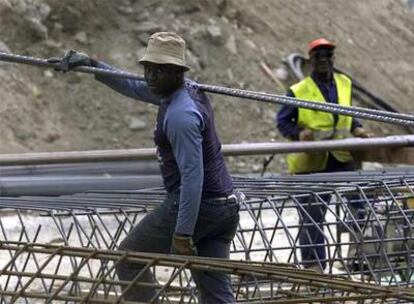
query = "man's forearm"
{"x": 189, "y": 207}
{"x": 129, "y": 87}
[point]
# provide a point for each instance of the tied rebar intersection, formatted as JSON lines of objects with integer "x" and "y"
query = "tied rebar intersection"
{"x": 64, "y": 249}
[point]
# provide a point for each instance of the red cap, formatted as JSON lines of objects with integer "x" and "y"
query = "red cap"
{"x": 320, "y": 42}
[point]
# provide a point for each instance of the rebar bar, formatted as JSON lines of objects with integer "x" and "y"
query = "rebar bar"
{"x": 291, "y": 284}
{"x": 366, "y": 230}
{"x": 365, "y": 113}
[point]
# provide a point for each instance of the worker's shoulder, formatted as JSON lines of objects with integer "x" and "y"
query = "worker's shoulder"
{"x": 183, "y": 108}
{"x": 184, "y": 120}
{"x": 342, "y": 77}
{"x": 302, "y": 85}
{"x": 198, "y": 98}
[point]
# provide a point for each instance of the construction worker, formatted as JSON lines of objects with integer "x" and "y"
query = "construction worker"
{"x": 299, "y": 124}
{"x": 199, "y": 215}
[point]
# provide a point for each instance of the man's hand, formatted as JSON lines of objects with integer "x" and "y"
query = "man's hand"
{"x": 306, "y": 135}
{"x": 362, "y": 133}
{"x": 70, "y": 60}
{"x": 183, "y": 244}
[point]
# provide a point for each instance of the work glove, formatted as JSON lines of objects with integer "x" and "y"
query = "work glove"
{"x": 70, "y": 60}
{"x": 362, "y": 133}
{"x": 183, "y": 244}
{"x": 241, "y": 197}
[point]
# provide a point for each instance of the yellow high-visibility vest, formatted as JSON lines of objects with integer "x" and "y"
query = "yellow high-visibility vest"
{"x": 321, "y": 123}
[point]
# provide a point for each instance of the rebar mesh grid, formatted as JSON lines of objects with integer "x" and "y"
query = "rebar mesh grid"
{"x": 85, "y": 275}
{"x": 366, "y": 231}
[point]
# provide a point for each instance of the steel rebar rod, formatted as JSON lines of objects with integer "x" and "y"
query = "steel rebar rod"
{"x": 265, "y": 271}
{"x": 381, "y": 241}
{"x": 370, "y": 114}
{"x": 252, "y": 187}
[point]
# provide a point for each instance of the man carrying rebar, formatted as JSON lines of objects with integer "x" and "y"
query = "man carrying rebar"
{"x": 300, "y": 124}
{"x": 200, "y": 213}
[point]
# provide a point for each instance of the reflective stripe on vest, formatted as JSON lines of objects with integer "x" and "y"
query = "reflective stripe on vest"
{"x": 321, "y": 123}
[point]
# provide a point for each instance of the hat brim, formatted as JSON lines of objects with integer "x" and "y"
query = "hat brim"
{"x": 163, "y": 59}
{"x": 322, "y": 46}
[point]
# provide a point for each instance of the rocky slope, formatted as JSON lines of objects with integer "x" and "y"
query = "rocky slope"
{"x": 42, "y": 110}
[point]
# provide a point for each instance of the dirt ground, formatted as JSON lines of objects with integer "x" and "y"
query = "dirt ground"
{"x": 43, "y": 110}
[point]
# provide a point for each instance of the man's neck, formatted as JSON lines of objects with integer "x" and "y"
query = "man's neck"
{"x": 167, "y": 97}
{"x": 325, "y": 78}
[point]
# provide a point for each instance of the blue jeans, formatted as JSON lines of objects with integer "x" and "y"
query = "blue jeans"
{"x": 215, "y": 229}
{"x": 311, "y": 239}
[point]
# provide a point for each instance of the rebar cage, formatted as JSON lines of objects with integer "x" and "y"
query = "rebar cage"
{"x": 343, "y": 237}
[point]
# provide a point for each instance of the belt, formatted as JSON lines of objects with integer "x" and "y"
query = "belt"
{"x": 229, "y": 199}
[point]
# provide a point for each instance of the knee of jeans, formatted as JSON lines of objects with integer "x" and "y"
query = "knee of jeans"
{"x": 121, "y": 269}
{"x": 127, "y": 270}
{"x": 124, "y": 244}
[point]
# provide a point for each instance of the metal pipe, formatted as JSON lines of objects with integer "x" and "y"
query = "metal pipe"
{"x": 370, "y": 114}
{"x": 60, "y": 185}
{"x": 352, "y": 144}
{"x": 228, "y": 150}
{"x": 77, "y": 156}
{"x": 101, "y": 168}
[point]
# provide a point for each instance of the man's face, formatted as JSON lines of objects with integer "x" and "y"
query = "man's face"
{"x": 162, "y": 79}
{"x": 322, "y": 60}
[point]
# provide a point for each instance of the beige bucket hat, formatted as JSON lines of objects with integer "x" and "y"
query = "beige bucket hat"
{"x": 165, "y": 48}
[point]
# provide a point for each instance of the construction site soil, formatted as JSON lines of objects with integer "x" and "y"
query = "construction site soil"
{"x": 45, "y": 110}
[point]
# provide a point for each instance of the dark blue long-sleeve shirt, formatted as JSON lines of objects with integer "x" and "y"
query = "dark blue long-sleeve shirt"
{"x": 188, "y": 147}
{"x": 286, "y": 118}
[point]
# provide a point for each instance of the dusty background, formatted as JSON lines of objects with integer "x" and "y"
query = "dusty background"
{"x": 43, "y": 110}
